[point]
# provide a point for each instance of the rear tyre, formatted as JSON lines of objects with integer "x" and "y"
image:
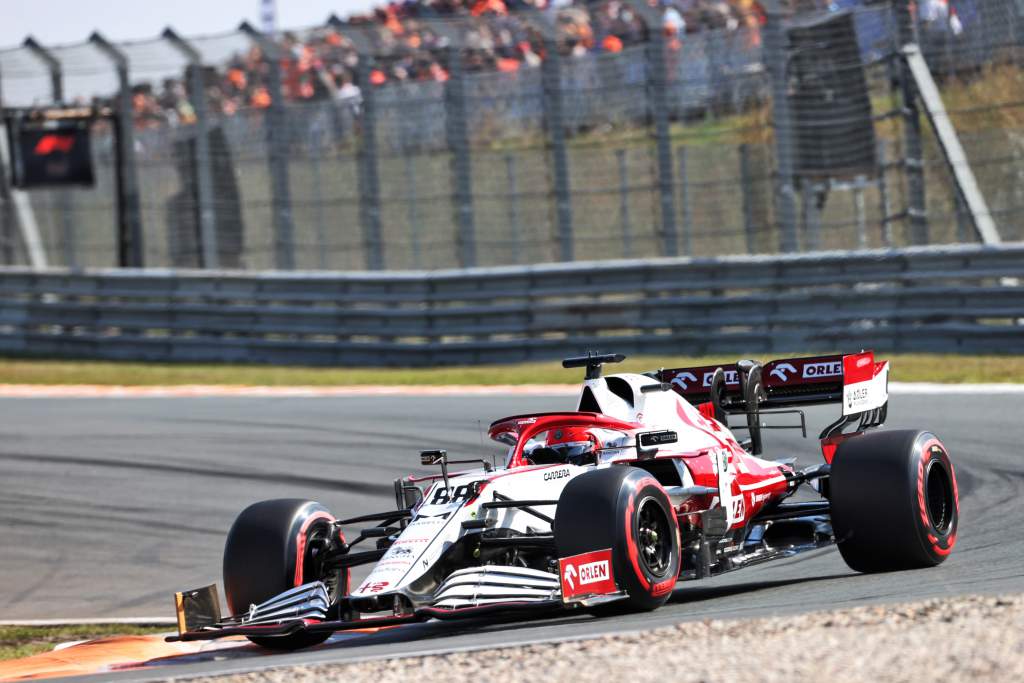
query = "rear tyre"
{"x": 894, "y": 501}
{"x": 276, "y": 545}
{"x": 627, "y": 510}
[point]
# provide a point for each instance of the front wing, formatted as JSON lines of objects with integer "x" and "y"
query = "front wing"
{"x": 583, "y": 580}
{"x": 233, "y": 627}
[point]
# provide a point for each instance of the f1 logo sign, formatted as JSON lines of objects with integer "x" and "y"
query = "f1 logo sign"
{"x": 48, "y": 144}
{"x": 586, "y": 574}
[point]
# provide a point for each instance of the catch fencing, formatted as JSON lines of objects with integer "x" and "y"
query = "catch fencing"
{"x": 940, "y": 299}
{"x": 664, "y": 147}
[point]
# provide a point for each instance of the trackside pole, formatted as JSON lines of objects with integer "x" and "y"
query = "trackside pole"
{"x": 953, "y": 152}
{"x": 67, "y": 228}
{"x": 208, "y": 252}
{"x": 129, "y": 218}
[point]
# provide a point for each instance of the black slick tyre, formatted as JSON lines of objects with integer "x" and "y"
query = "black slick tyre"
{"x": 627, "y": 510}
{"x": 275, "y": 545}
{"x": 894, "y": 501}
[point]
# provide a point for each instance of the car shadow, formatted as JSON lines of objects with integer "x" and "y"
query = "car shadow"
{"x": 437, "y": 630}
{"x": 517, "y": 622}
{"x": 686, "y": 594}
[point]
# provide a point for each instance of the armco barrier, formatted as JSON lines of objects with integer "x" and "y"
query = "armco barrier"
{"x": 950, "y": 299}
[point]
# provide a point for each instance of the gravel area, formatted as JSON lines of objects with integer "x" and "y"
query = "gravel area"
{"x": 949, "y": 639}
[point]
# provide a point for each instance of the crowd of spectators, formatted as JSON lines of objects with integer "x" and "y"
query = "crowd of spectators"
{"x": 409, "y": 39}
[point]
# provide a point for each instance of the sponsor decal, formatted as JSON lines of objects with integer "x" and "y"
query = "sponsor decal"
{"x": 832, "y": 368}
{"x": 433, "y": 519}
{"x": 856, "y": 396}
{"x": 683, "y": 379}
{"x": 738, "y": 509}
{"x": 782, "y": 371}
{"x": 390, "y": 566}
{"x": 586, "y": 574}
{"x": 663, "y": 587}
{"x": 373, "y": 586}
{"x": 557, "y": 474}
{"x": 731, "y": 377}
{"x": 859, "y": 397}
{"x": 401, "y": 550}
{"x": 444, "y": 496}
{"x": 406, "y": 541}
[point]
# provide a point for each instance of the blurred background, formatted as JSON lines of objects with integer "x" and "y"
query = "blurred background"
{"x": 433, "y": 134}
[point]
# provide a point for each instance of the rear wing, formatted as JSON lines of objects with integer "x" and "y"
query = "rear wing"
{"x": 855, "y": 380}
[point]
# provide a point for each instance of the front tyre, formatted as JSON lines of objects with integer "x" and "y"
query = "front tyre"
{"x": 627, "y": 510}
{"x": 894, "y": 500}
{"x": 275, "y": 545}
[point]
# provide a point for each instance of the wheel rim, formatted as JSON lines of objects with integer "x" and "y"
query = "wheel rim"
{"x": 653, "y": 536}
{"x": 940, "y": 503}
{"x": 317, "y": 545}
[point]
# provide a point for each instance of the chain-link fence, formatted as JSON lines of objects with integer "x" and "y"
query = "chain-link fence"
{"x": 517, "y": 140}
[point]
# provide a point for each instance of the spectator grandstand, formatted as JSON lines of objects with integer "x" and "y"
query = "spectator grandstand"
{"x": 320, "y": 63}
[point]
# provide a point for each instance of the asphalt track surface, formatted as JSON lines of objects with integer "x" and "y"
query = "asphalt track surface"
{"x": 107, "y": 506}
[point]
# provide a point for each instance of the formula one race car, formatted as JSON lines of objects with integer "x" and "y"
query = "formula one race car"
{"x": 606, "y": 507}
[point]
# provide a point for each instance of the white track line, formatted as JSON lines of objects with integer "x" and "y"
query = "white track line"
{"x": 132, "y": 621}
{"x": 938, "y": 388}
{"x": 222, "y": 390}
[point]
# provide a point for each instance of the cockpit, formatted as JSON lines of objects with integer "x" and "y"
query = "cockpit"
{"x": 564, "y": 438}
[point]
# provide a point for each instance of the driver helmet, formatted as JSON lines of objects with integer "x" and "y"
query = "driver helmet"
{"x": 574, "y": 445}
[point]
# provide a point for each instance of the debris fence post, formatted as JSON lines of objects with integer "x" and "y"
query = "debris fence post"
{"x": 684, "y": 200}
{"x": 627, "y": 229}
{"x": 658, "y": 99}
{"x": 276, "y": 122}
{"x": 776, "y": 61}
{"x": 462, "y": 164}
{"x": 203, "y": 162}
{"x": 129, "y": 215}
{"x": 554, "y": 122}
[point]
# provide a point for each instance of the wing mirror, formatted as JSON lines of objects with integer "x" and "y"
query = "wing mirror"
{"x": 433, "y": 457}
{"x": 438, "y": 457}
{"x": 647, "y": 443}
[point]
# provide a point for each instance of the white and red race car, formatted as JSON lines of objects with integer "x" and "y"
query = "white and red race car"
{"x": 606, "y": 507}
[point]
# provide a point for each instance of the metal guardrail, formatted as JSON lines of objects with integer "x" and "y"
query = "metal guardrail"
{"x": 948, "y": 299}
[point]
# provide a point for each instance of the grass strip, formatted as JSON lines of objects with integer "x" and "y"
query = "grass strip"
{"x": 905, "y": 368}
{"x": 22, "y": 641}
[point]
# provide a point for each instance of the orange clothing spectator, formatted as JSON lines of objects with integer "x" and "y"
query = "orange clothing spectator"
{"x": 492, "y": 6}
{"x": 260, "y": 98}
{"x": 611, "y": 43}
{"x": 438, "y": 73}
{"x": 237, "y": 78}
{"x": 508, "y": 65}
{"x": 392, "y": 23}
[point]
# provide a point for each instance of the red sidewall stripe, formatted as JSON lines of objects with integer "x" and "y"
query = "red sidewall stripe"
{"x": 300, "y": 542}
{"x": 941, "y": 546}
{"x": 632, "y": 551}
